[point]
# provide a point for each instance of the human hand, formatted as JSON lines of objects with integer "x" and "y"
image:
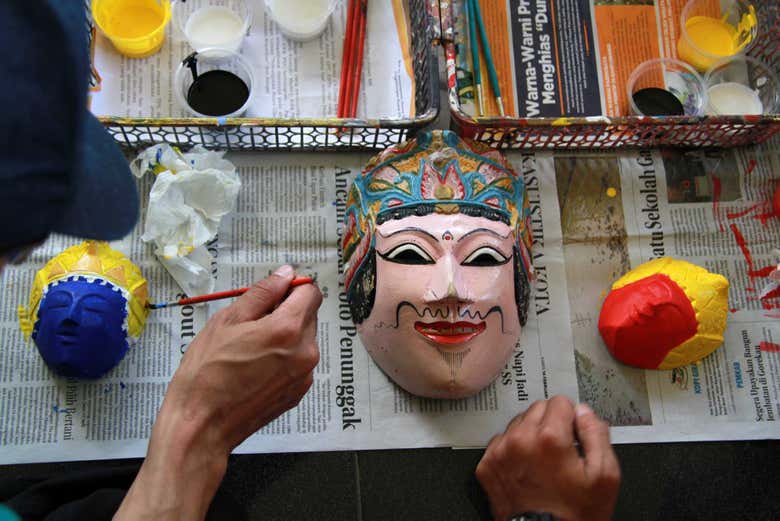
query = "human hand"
{"x": 251, "y": 362}
{"x": 534, "y": 466}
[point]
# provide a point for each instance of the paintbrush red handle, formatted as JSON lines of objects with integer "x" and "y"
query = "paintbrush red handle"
{"x": 298, "y": 281}
{"x": 212, "y": 296}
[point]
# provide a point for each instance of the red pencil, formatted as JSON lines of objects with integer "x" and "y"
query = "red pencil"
{"x": 297, "y": 281}
{"x": 346, "y": 59}
{"x": 355, "y": 91}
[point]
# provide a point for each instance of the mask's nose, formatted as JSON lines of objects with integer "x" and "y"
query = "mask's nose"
{"x": 445, "y": 284}
{"x": 73, "y": 316}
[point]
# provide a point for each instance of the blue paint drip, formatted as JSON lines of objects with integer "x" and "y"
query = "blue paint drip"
{"x": 80, "y": 328}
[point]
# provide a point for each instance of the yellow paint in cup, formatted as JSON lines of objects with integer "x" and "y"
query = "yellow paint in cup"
{"x": 135, "y": 27}
{"x": 706, "y": 38}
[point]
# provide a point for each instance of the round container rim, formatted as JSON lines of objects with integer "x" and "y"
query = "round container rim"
{"x": 755, "y": 61}
{"x": 664, "y": 61}
{"x": 223, "y": 53}
{"x": 166, "y": 18}
{"x": 684, "y": 33}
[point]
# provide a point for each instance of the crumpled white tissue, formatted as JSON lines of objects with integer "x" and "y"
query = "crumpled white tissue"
{"x": 192, "y": 193}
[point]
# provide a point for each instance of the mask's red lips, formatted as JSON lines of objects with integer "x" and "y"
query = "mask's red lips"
{"x": 449, "y": 332}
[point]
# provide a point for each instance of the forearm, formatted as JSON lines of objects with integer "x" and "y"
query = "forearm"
{"x": 180, "y": 475}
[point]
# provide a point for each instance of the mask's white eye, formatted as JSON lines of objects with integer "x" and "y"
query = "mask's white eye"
{"x": 407, "y": 253}
{"x": 485, "y": 256}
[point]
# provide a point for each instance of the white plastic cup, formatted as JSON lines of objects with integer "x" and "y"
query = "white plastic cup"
{"x": 731, "y": 13}
{"x": 741, "y": 86}
{"x": 301, "y": 20}
{"x": 209, "y": 60}
{"x": 213, "y": 24}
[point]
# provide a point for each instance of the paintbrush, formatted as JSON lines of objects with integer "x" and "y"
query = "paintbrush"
{"x": 298, "y": 281}
{"x": 491, "y": 67}
{"x": 475, "y": 64}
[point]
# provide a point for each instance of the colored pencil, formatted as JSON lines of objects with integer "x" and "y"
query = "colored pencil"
{"x": 491, "y": 67}
{"x": 352, "y": 58}
{"x": 346, "y": 58}
{"x": 356, "y": 78}
{"x": 298, "y": 281}
{"x": 475, "y": 64}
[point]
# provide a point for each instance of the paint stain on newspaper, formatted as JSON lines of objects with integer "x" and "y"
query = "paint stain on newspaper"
{"x": 742, "y": 243}
{"x": 764, "y": 217}
{"x": 751, "y": 166}
{"x": 770, "y": 300}
{"x": 716, "y": 190}
{"x": 742, "y": 213}
{"x": 769, "y": 347}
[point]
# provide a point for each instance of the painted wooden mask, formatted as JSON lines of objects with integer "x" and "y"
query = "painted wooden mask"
{"x": 436, "y": 252}
{"x": 86, "y": 305}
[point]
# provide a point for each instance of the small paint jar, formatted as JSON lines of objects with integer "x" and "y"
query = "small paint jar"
{"x": 214, "y": 83}
{"x": 710, "y": 31}
{"x": 741, "y": 86}
{"x": 301, "y": 20}
{"x": 136, "y": 28}
{"x": 666, "y": 87}
{"x": 216, "y": 24}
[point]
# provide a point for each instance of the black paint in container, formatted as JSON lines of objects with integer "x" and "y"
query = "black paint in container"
{"x": 653, "y": 101}
{"x": 217, "y": 93}
{"x": 217, "y": 83}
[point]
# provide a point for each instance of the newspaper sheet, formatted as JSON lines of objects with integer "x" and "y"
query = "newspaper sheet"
{"x": 292, "y": 80}
{"x": 289, "y": 211}
{"x": 592, "y": 219}
{"x": 713, "y": 209}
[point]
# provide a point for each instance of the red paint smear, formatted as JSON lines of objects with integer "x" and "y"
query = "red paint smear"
{"x": 764, "y": 217}
{"x": 763, "y": 272}
{"x": 734, "y": 310}
{"x": 770, "y": 305}
{"x": 735, "y": 215}
{"x": 769, "y": 347}
{"x": 716, "y": 189}
{"x": 751, "y": 290}
{"x": 776, "y": 202}
{"x": 742, "y": 243}
{"x": 751, "y": 166}
{"x": 772, "y": 294}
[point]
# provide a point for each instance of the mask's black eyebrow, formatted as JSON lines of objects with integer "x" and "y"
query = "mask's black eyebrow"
{"x": 483, "y": 230}
{"x": 410, "y": 229}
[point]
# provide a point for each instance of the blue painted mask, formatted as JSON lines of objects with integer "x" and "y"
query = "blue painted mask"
{"x": 81, "y": 331}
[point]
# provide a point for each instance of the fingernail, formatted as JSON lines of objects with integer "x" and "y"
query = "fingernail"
{"x": 583, "y": 408}
{"x": 285, "y": 271}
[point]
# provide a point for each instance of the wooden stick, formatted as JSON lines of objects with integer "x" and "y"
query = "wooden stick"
{"x": 298, "y": 281}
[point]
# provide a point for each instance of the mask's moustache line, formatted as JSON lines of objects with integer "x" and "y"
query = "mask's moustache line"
{"x": 443, "y": 313}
